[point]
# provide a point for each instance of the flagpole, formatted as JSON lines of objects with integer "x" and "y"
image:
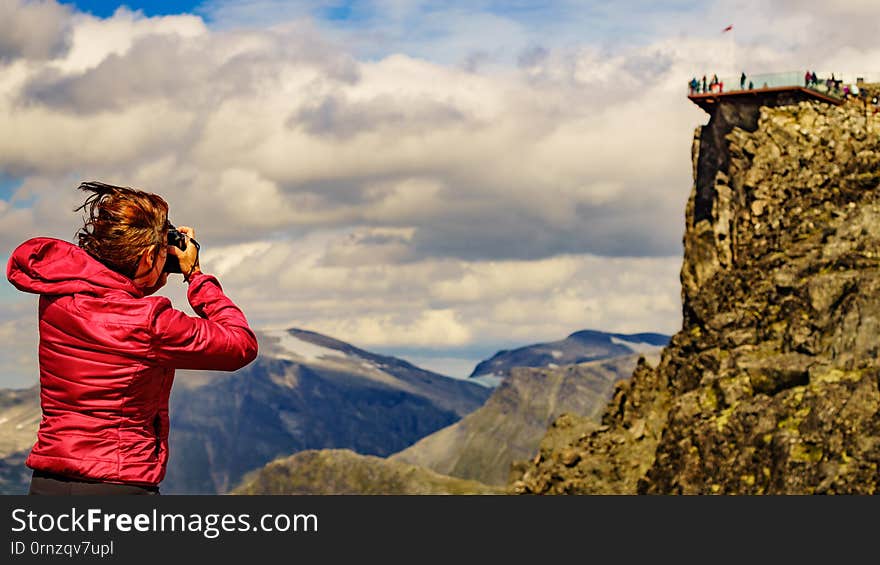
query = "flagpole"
{"x": 731, "y": 51}
{"x": 733, "y": 54}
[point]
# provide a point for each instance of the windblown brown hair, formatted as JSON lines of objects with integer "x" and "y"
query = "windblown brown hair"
{"x": 121, "y": 222}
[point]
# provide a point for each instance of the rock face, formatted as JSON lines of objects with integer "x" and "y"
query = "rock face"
{"x": 771, "y": 386}
{"x": 342, "y": 471}
{"x": 484, "y": 444}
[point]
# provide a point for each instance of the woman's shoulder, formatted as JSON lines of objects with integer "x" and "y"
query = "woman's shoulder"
{"x": 114, "y": 309}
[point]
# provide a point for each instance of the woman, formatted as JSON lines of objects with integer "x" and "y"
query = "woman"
{"x": 108, "y": 350}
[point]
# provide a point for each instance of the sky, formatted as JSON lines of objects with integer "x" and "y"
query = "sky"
{"x": 433, "y": 180}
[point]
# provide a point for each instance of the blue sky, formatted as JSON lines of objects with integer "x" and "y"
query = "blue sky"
{"x": 8, "y": 185}
{"x": 340, "y": 11}
{"x": 611, "y": 23}
{"x": 435, "y": 178}
{"x": 104, "y": 9}
{"x": 334, "y": 10}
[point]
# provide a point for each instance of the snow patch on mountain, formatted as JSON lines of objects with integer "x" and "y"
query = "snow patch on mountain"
{"x": 295, "y": 349}
{"x": 488, "y": 381}
{"x": 637, "y": 346}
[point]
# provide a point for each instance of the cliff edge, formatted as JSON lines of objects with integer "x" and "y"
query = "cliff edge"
{"x": 771, "y": 386}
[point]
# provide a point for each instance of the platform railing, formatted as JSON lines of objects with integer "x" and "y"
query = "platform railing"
{"x": 823, "y": 83}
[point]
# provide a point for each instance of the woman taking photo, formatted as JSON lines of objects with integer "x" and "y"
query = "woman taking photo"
{"x": 108, "y": 349}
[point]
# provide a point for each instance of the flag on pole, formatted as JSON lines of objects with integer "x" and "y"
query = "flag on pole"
{"x": 728, "y": 28}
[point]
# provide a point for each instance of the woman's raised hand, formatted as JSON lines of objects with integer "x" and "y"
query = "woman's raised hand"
{"x": 189, "y": 259}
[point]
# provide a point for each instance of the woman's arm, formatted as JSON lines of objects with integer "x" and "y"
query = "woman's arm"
{"x": 219, "y": 339}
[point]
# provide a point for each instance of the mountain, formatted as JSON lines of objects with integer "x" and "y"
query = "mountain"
{"x": 579, "y": 347}
{"x": 20, "y": 416}
{"x": 482, "y": 447}
{"x": 771, "y": 386}
{"x": 304, "y": 391}
{"x": 342, "y": 471}
{"x": 509, "y": 426}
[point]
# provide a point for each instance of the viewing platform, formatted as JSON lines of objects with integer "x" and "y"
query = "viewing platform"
{"x": 791, "y": 85}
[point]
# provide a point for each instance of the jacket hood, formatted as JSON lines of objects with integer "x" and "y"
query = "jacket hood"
{"x": 45, "y": 265}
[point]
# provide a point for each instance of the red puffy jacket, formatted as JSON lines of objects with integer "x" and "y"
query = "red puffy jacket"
{"x": 107, "y": 360}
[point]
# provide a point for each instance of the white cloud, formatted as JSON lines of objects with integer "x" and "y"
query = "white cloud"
{"x": 19, "y": 339}
{"x": 36, "y": 30}
{"x": 487, "y": 280}
{"x": 93, "y": 39}
{"x": 435, "y": 328}
{"x": 47, "y": 141}
{"x": 398, "y": 142}
{"x": 440, "y": 301}
{"x": 484, "y": 174}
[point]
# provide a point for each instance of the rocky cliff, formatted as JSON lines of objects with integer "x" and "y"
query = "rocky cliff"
{"x": 771, "y": 386}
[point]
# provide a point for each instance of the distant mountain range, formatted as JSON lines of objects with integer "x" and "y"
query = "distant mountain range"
{"x": 509, "y": 426}
{"x": 487, "y": 447}
{"x": 308, "y": 392}
{"x": 579, "y": 347}
{"x": 20, "y": 416}
{"x": 304, "y": 391}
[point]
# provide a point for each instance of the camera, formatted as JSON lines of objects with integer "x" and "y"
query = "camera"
{"x": 178, "y": 240}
